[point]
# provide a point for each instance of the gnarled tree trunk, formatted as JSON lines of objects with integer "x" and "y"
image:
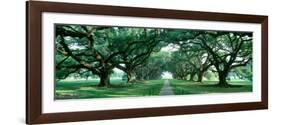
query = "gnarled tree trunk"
{"x": 222, "y": 79}
{"x": 130, "y": 77}
{"x": 104, "y": 79}
{"x": 200, "y": 76}
{"x": 191, "y": 78}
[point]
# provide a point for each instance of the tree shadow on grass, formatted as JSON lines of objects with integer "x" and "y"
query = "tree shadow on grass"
{"x": 184, "y": 92}
{"x": 86, "y": 91}
{"x": 229, "y": 86}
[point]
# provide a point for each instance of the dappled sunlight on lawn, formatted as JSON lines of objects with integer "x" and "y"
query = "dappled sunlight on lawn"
{"x": 88, "y": 89}
{"x": 182, "y": 87}
{"x": 117, "y": 89}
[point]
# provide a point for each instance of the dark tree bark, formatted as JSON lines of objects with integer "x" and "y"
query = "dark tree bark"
{"x": 130, "y": 77}
{"x": 222, "y": 79}
{"x": 200, "y": 76}
{"x": 104, "y": 79}
{"x": 202, "y": 71}
{"x": 191, "y": 78}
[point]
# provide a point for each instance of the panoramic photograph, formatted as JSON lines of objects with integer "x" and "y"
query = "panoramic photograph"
{"x": 115, "y": 62}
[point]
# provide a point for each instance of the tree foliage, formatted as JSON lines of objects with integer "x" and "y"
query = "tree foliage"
{"x": 153, "y": 67}
{"x": 94, "y": 51}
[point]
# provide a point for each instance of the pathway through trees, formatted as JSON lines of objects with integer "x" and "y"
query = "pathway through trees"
{"x": 166, "y": 89}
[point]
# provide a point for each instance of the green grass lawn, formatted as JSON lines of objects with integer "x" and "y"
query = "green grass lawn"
{"x": 181, "y": 87}
{"x": 88, "y": 89}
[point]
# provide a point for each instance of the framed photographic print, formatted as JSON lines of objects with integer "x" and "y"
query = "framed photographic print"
{"x": 93, "y": 62}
